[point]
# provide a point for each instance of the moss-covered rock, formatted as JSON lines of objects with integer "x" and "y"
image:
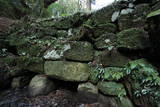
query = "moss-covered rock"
{"x": 106, "y": 41}
{"x": 135, "y": 19}
{"x": 34, "y": 64}
{"x": 33, "y": 50}
{"x": 127, "y": 21}
{"x": 112, "y": 88}
{"x": 113, "y": 58}
{"x": 103, "y": 15}
{"x": 126, "y": 102}
{"x": 82, "y": 33}
{"x": 88, "y": 88}
{"x": 102, "y": 28}
{"x": 67, "y": 71}
{"x": 80, "y": 51}
{"x": 133, "y": 39}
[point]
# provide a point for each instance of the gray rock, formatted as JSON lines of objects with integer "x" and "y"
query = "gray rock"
{"x": 40, "y": 85}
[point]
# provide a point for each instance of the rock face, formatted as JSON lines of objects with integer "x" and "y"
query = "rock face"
{"x": 111, "y": 88}
{"x": 97, "y": 53}
{"x": 67, "y": 71}
{"x": 133, "y": 39}
{"x": 40, "y": 85}
{"x": 80, "y": 51}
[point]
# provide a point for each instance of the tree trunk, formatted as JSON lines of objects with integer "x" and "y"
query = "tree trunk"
{"x": 88, "y": 4}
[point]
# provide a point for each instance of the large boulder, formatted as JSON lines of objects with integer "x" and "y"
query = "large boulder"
{"x": 40, "y": 85}
{"x": 67, "y": 71}
{"x": 112, "y": 88}
{"x": 133, "y": 38}
{"x": 80, "y": 51}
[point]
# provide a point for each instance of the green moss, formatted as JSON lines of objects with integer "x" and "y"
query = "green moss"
{"x": 154, "y": 13}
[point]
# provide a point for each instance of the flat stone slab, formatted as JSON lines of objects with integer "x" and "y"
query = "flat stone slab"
{"x": 67, "y": 71}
